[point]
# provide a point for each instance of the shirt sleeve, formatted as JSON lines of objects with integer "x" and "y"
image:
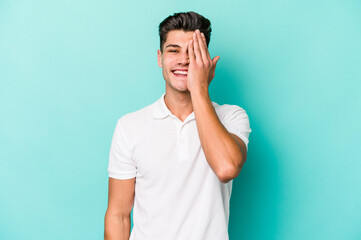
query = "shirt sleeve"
{"x": 121, "y": 165}
{"x": 236, "y": 121}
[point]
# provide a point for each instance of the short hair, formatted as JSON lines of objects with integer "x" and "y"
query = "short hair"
{"x": 186, "y": 21}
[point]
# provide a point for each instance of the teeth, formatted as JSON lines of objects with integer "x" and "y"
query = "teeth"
{"x": 181, "y": 72}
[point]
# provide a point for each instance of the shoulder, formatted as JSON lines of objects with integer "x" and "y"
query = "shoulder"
{"x": 135, "y": 121}
{"x": 134, "y": 124}
{"x": 225, "y": 110}
{"x": 137, "y": 117}
{"x": 235, "y": 120}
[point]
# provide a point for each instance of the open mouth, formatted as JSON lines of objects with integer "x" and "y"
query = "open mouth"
{"x": 180, "y": 73}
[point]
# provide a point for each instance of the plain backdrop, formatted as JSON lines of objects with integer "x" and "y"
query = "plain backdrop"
{"x": 69, "y": 69}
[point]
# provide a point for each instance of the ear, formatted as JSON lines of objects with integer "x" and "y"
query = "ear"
{"x": 159, "y": 58}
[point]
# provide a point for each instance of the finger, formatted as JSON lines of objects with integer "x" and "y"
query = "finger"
{"x": 197, "y": 51}
{"x": 203, "y": 48}
{"x": 191, "y": 51}
{"x": 205, "y": 44}
{"x": 215, "y": 60}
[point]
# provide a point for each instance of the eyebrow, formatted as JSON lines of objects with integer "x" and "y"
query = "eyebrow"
{"x": 173, "y": 45}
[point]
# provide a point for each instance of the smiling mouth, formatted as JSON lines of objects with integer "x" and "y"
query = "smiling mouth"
{"x": 180, "y": 73}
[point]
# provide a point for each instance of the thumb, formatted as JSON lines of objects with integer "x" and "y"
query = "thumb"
{"x": 215, "y": 60}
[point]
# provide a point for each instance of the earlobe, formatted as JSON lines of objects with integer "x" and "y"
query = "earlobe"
{"x": 159, "y": 58}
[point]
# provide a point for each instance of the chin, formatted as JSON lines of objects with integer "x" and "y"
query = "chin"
{"x": 181, "y": 88}
{"x": 178, "y": 86}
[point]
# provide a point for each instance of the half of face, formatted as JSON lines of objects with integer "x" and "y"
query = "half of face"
{"x": 174, "y": 59}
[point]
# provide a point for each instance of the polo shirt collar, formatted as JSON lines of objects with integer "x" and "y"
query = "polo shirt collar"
{"x": 160, "y": 109}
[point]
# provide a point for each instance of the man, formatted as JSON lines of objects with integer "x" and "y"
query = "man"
{"x": 175, "y": 159}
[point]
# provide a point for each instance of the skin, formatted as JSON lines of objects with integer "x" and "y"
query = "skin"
{"x": 117, "y": 220}
{"x": 225, "y": 152}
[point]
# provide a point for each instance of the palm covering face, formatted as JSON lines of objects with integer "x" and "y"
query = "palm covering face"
{"x": 201, "y": 69}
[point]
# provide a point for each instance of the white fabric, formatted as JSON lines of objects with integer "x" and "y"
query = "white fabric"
{"x": 177, "y": 195}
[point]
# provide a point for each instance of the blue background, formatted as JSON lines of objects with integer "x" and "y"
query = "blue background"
{"x": 70, "y": 69}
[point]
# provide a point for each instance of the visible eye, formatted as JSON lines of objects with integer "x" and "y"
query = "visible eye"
{"x": 173, "y": 50}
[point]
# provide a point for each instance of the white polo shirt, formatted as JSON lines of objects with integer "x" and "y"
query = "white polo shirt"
{"x": 177, "y": 195}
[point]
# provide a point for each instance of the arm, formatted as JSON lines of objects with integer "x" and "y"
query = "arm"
{"x": 225, "y": 152}
{"x": 120, "y": 204}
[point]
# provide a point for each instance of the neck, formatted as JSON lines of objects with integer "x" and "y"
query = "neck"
{"x": 179, "y": 103}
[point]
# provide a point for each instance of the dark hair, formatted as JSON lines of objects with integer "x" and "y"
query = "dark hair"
{"x": 186, "y": 21}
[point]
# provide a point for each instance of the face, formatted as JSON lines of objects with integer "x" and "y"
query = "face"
{"x": 174, "y": 60}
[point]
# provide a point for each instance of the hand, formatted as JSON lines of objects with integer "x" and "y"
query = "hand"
{"x": 201, "y": 67}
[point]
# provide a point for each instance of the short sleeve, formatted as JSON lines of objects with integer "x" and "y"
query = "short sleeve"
{"x": 236, "y": 121}
{"x": 121, "y": 165}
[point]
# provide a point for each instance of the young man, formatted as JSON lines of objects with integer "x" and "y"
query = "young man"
{"x": 175, "y": 159}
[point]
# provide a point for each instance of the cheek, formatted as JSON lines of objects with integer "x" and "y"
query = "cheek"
{"x": 166, "y": 66}
{"x": 167, "y": 61}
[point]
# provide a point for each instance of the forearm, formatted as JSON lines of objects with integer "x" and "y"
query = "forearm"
{"x": 116, "y": 228}
{"x": 221, "y": 150}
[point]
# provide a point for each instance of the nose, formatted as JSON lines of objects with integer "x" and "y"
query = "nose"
{"x": 183, "y": 58}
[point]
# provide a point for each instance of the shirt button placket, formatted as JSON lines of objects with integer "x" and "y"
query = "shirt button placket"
{"x": 182, "y": 150}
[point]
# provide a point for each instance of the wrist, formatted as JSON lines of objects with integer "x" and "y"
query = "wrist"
{"x": 199, "y": 93}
